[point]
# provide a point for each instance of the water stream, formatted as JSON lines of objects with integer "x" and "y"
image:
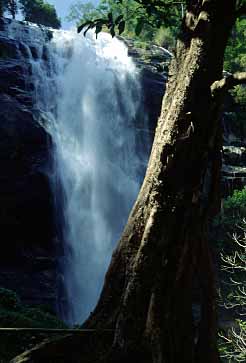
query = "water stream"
{"x": 87, "y": 96}
{"x": 96, "y": 158}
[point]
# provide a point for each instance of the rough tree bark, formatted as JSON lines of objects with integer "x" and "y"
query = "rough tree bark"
{"x": 159, "y": 291}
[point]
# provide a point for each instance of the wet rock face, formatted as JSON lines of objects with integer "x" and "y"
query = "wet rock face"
{"x": 234, "y": 156}
{"x": 27, "y": 263}
{"x": 152, "y": 62}
{"x": 234, "y": 168}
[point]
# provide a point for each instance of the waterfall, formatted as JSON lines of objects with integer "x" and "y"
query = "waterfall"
{"x": 96, "y": 158}
{"x": 87, "y": 96}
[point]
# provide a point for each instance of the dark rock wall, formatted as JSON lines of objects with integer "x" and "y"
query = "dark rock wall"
{"x": 152, "y": 62}
{"x": 234, "y": 148}
{"x": 27, "y": 259}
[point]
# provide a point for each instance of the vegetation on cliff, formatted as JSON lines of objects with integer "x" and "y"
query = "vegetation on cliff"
{"x": 13, "y": 314}
{"x": 36, "y": 11}
{"x": 231, "y": 242}
{"x": 40, "y": 12}
{"x": 134, "y": 21}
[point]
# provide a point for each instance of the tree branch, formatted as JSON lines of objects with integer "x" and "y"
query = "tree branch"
{"x": 241, "y": 11}
{"x": 228, "y": 82}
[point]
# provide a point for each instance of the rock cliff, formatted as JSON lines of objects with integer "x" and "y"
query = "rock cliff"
{"x": 27, "y": 259}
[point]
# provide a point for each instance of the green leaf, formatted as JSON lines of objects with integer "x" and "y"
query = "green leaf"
{"x": 110, "y": 17}
{"x": 98, "y": 29}
{"x": 149, "y": 9}
{"x": 139, "y": 26}
{"x": 118, "y": 19}
{"x": 121, "y": 26}
{"x": 82, "y": 26}
{"x": 88, "y": 28}
{"x": 112, "y": 31}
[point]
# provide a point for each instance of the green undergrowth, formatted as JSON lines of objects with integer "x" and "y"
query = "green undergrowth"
{"x": 13, "y": 314}
{"x": 229, "y": 221}
{"x": 229, "y": 238}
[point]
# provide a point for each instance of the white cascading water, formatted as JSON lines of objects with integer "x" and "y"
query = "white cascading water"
{"x": 88, "y": 93}
{"x": 96, "y": 158}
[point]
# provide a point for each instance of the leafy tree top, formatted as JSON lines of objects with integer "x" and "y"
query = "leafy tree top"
{"x": 121, "y": 15}
{"x": 116, "y": 14}
{"x": 41, "y": 12}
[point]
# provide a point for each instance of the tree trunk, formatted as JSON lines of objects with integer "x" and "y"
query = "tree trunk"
{"x": 159, "y": 291}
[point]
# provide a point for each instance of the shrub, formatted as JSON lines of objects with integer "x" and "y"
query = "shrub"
{"x": 233, "y": 341}
{"x": 165, "y": 38}
{"x": 236, "y": 204}
{"x": 9, "y": 299}
{"x": 40, "y": 12}
{"x": 13, "y": 314}
{"x": 230, "y": 219}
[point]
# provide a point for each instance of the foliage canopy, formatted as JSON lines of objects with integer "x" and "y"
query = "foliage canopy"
{"x": 40, "y": 12}
{"x": 141, "y": 19}
{"x": 36, "y": 11}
